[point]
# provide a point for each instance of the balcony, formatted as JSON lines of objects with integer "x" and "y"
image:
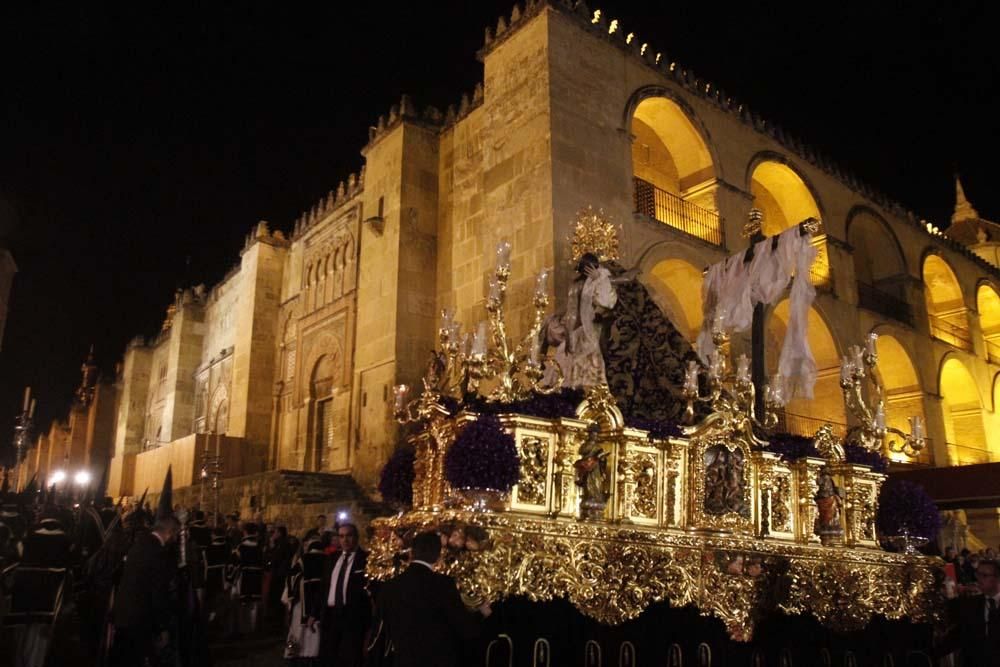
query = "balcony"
{"x": 671, "y": 210}
{"x": 873, "y": 299}
{"x": 807, "y": 426}
{"x": 947, "y": 332}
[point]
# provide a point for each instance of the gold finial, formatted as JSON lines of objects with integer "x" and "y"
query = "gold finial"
{"x": 754, "y": 224}
{"x": 593, "y": 232}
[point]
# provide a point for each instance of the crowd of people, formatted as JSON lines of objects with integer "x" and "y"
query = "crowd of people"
{"x": 127, "y": 584}
{"x": 972, "y": 584}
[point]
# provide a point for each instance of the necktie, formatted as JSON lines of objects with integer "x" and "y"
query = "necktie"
{"x": 338, "y": 595}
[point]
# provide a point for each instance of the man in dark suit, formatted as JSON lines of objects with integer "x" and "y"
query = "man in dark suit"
{"x": 423, "y": 613}
{"x": 975, "y": 632}
{"x": 345, "y": 603}
{"x": 143, "y": 606}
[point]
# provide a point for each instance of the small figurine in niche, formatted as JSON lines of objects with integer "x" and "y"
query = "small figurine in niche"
{"x": 829, "y": 501}
{"x": 592, "y": 476}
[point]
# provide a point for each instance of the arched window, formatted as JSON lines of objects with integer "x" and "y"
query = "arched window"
{"x": 321, "y": 392}
{"x": 963, "y": 414}
{"x": 804, "y": 417}
{"x": 946, "y": 309}
{"x": 785, "y": 200}
{"x": 673, "y": 175}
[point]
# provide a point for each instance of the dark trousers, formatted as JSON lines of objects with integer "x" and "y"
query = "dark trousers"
{"x": 343, "y": 636}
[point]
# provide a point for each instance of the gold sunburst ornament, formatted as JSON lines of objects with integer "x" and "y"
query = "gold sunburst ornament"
{"x": 594, "y": 232}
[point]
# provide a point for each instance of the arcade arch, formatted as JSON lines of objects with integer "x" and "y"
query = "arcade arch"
{"x": 803, "y": 416}
{"x": 879, "y": 266}
{"x": 946, "y": 309}
{"x": 988, "y": 305}
{"x": 674, "y": 177}
{"x": 963, "y": 414}
{"x": 676, "y": 287}
{"x": 785, "y": 200}
{"x": 903, "y": 395}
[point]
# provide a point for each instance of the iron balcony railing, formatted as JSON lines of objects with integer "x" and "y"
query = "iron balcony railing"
{"x": 680, "y": 214}
{"x": 875, "y": 300}
{"x": 945, "y": 331}
{"x": 789, "y": 422}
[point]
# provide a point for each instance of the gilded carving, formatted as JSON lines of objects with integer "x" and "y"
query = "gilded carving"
{"x": 781, "y": 498}
{"x": 644, "y": 496}
{"x": 534, "y": 453}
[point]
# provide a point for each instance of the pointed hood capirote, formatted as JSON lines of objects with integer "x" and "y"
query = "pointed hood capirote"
{"x": 165, "y": 508}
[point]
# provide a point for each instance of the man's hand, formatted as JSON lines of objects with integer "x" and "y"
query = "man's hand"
{"x": 591, "y": 271}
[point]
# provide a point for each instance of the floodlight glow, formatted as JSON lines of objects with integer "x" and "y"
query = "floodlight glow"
{"x": 58, "y": 477}
{"x": 341, "y": 516}
{"x": 82, "y": 478}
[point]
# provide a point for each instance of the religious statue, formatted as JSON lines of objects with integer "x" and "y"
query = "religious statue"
{"x": 592, "y": 476}
{"x": 576, "y": 334}
{"x": 829, "y": 502}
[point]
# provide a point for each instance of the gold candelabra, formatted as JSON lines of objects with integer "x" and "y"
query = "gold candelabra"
{"x": 731, "y": 398}
{"x": 872, "y": 430}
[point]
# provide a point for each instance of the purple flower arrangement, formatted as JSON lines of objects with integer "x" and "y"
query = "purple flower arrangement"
{"x": 904, "y": 505}
{"x": 861, "y": 456}
{"x": 659, "y": 429}
{"x": 396, "y": 481}
{"x": 792, "y": 447}
{"x": 548, "y": 406}
{"x": 483, "y": 456}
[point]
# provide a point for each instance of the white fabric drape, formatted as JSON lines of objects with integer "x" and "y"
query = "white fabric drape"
{"x": 732, "y": 288}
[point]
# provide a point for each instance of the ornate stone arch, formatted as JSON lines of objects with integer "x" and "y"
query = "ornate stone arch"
{"x": 652, "y": 91}
{"x": 218, "y": 410}
{"x": 861, "y": 210}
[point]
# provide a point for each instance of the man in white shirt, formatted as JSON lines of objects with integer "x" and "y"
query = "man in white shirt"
{"x": 347, "y": 608}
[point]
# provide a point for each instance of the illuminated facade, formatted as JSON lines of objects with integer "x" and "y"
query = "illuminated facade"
{"x": 293, "y": 356}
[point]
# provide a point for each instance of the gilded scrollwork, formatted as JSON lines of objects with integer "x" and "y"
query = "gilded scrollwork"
{"x": 612, "y": 573}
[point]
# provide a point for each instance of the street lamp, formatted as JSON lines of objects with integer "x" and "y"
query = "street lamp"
{"x": 58, "y": 477}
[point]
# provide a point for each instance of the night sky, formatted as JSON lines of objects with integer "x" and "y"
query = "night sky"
{"x": 138, "y": 146}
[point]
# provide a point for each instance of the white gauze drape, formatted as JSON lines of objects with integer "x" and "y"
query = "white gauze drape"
{"x": 732, "y": 288}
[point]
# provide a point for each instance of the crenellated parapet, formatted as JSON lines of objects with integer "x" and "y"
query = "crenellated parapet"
{"x": 346, "y": 191}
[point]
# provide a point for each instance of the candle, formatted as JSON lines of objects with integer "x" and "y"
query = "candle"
{"x": 540, "y": 282}
{"x": 917, "y": 427}
{"x": 494, "y": 289}
{"x": 870, "y": 343}
{"x": 743, "y": 369}
{"x": 503, "y": 255}
{"x": 400, "y": 391}
{"x": 778, "y": 389}
{"x": 880, "y": 417}
{"x": 846, "y": 369}
{"x": 719, "y": 323}
{"x": 536, "y": 350}
{"x": 715, "y": 365}
{"x": 691, "y": 376}
{"x": 479, "y": 341}
{"x": 447, "y": 317}
{"x": 467, "y": 343}
{"x": 858, "y": 362}
{"x": 27, "y": 398}
{"x": 31, "y": 410}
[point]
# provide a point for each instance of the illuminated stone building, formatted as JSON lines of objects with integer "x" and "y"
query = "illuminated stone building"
{"x": 7, "y": 270}
{"x": 288, "y": 363}
{"x": 82, "y": 441}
